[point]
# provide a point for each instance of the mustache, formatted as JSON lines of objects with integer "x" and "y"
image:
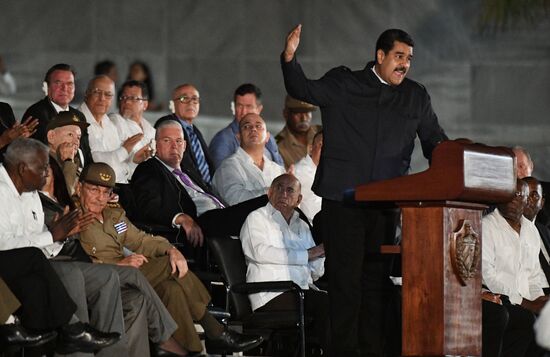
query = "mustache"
{"x": 401, "y": 69}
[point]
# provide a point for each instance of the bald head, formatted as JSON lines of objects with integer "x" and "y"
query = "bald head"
{"x": 285, "y": 194}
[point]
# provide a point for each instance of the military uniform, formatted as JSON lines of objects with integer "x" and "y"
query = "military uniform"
{"x": 290, "y": 148}
{"x": 185, "y": 298}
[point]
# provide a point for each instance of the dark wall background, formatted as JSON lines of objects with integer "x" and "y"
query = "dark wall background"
{"x": 489, "y": 86}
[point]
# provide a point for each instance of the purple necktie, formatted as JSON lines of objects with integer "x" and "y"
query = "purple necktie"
{"x": 188, "y": 182}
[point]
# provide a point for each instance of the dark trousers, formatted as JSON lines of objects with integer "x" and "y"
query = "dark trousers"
{"x": 507, "y": 330}
{"x": 359, "y": 284}
{"x": 316, "y": 311}
{"x": 45, "y": 304}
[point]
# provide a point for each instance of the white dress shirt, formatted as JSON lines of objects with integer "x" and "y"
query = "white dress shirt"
{"x": 22, "y": 219}
{"x": 106, "y": 145}
{"x": 127, "y": 128}
{"x": 542, "y": 328}
{"x": 510, "y": 261}
{"x": 277, "y": 251}
{"x": 304, "y": 170}
{"x": 238, "y": 179}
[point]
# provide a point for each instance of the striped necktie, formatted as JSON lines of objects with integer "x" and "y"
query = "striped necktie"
{"x": 200, "y": 159}
{"x": 188, "y": 182}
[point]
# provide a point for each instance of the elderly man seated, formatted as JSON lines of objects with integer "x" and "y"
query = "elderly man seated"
{"x": 248, "y": 172}
{"x": 278, "y": 245}
{"x": 63, "y": 133}
{"x": 161, "y": 263}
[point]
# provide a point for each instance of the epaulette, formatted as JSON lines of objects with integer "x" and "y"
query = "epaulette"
{"x": 113, "y": 205}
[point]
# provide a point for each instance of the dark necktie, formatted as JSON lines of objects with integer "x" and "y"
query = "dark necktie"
{"x": 188, "y": 182}
{"x": 202, "y": 165}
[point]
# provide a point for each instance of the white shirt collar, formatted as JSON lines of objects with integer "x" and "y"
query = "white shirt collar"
{"x": 376, "y": 74}
{"x": 57, "y": 107}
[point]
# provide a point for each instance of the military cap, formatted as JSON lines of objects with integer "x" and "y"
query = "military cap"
{"x": 99, "y": 173}
{"x": 295, "y": 105}
{"x": 66, "y": 118}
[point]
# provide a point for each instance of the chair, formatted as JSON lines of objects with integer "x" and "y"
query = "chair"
{"x": 228, "y": 254}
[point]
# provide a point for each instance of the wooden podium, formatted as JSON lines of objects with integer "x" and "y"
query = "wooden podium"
{"x": 441, "y": 243}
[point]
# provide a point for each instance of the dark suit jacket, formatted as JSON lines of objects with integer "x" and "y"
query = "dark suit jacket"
{"x": 44, "y": 111}
{"x": 545, "y": 236}
{"x": 188, "y": 162}
{"x": 369, "y": 127}
{"x": 7, "y": 119}
{"x": 159, "y": 196}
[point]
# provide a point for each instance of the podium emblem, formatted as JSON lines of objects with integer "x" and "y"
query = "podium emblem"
{"x": 465, "y": 252}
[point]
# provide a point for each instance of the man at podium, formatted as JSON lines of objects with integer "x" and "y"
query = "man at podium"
{"x": 371, "y": 118}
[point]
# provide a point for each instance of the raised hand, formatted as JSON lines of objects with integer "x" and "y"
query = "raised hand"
{"x": 65, "y": 224}
{"x": 132, "y": 141}
{"x": 66, "y": 151}
{"x": 292, "y": 42}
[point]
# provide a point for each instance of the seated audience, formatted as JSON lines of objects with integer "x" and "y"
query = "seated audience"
{"x": 248, "y": 172}
{"x": 60, "y": 86}
{"x": 139, "y": 71}
{"x": 185, "y": 105}
{"x": 161, "y": 263}
{"x": 144, "y": 313}
{"x": 247, "y": 98}
{"x": 64, "y": 132}
{"x": 94, "y": 289}
{"x": 278, "y": 246}
{"x": 297, "y": 135}
{"x": 11, "y": 130}
{"x": 167, "y": 194}
{"x": 129, "y": 121}
{"x": 304, "y": 170}
{"x": 31, "y": 290}
{"x": 105, "y": 143}
{"x": 512, "y": 275}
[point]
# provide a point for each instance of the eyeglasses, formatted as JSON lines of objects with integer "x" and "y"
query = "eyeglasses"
{"x": 131, "y": 98}
{"x": 96, "y": 92}
{"x": 186, "y": 100}
{"x": 96, "y": 191}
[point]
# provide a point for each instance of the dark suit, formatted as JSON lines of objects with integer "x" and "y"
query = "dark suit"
{"x": 160, "y": 196}
{"x": 369, "y": 131}
{"x": 545, "y": 237}
{"x": 189, "y": 162}
{"x": 7, "y": 119}
{"x": 45, "y": 304}
{"x": 44, "y": 111}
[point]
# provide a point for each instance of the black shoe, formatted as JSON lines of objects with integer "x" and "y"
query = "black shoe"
{"x": 15, "y": 335}
{"x": 231, "y": 341}
{"x": 157, "y": 351}
{"x": 81, "y": 337}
